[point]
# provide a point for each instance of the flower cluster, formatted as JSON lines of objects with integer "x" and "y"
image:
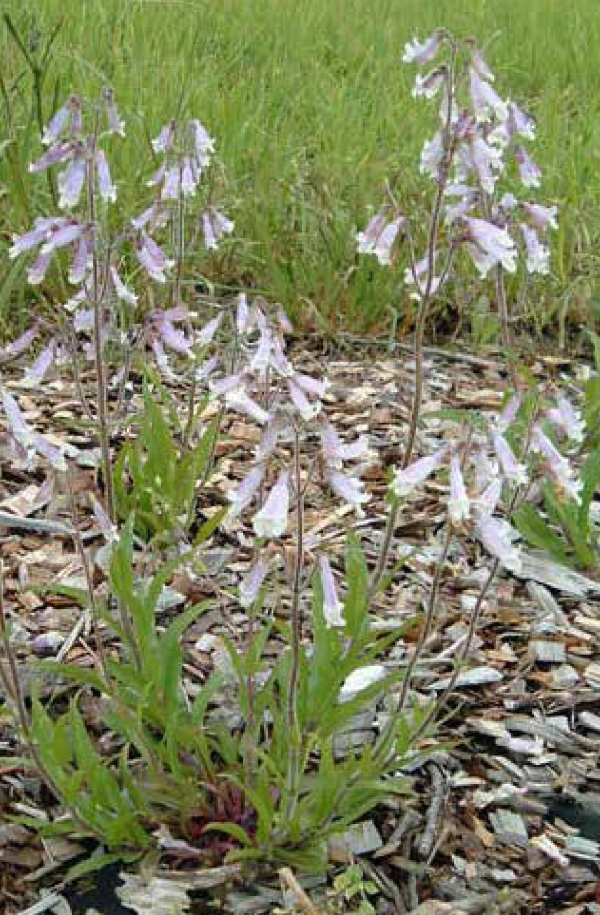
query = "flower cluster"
{"x": 95, "y": 260}
{"x": 479, "y": 136}
{"x": 495, "y": 465}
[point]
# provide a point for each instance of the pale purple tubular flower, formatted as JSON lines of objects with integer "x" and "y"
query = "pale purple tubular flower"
{"x": 105, "y": 184}
{"x": 49, "y": 451}
{"x": 416, "y": 473}
{"x": 108, "y": 529}
{"x": 485, "y": 470}
{"x": 221, "y": 386}
{"x": 152, "y": 258}
{"x": 171, "y": 336}
{"x": 242, "y": 314}
{"x": 33, "y": 238}
{"x": 122, "y": 291}
{"x": 567, "y": 418}
{"x": 115, "y": 124}
{"x": 162, "y": 360}
{"x": 21, "y": 344}
{"x": 520, "y": 122}
{"x": 157, "y": 177}
{"x": 421, "y": 269}
{"x": 379, "y": 237}
{"x": 488, "y": 500}
{"x": 467, "y": 198}
{"x": 37, "y": 271}
{"x": 61, "y": 152}
{"x": 512, "y": 470}
{"x": 251, "y": 583}
{"x": 70, "y": 182}
{"x": 492, "y": 246}
{"x": 241, "y": 497}
{"x": 164, "y": 140}
{"x": 487, "y": 162}
{"x": 542, "y": 217}
{"x": 63, "y": 235}
{"x": 459, "y": 506}
{"x": 203, "y": 142}
{"x": 241, "y": 402}
{"x": 497, "y": 537}
{"x": 189, "y": 178}
{"x": 485, "y": 100}
{"x": 422, "y": 52}
{"x": 19, "y": 428}
{"x": 529, "y": 172}
{"x": 207, "y": 333}
{"x": 262, "y": 355}
{"x": 215, "y": 225}
{"x": 509, "y": 413}
{"x": 311, "y": 385}
{"x": 482, "y": 68}
{"x": 350, "y": 489}
{"x": 272, "y": 519}
{"x": 537, "y": 255}
{"x": 432, "y": 156}
{"x": 558, "y": 466}
{"x": 429, "y": 84}
{"x": 285, "y": 325}
{"x": 332, "y": 606}
{"x": 36, "y": 372}
{"x": 335, "y": 451}
{"x": 70, "y": 113}
{"x": 82, "y": 259}
{"x": 305, "y": 408}
{"x": 171, "y": 185}
{"x": 270, "y": 438}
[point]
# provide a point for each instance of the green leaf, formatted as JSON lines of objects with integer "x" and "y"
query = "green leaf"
{"x": 529, "y": 523}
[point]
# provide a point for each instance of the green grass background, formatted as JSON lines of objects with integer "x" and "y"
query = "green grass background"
{"x": 311, "y": 110}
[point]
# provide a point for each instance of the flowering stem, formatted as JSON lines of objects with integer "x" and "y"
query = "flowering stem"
{"x": 292, "y": 711}
{"x": 98, "y": 306}
{"x": 425, "y": 299}
{"x": 504, "y": 319}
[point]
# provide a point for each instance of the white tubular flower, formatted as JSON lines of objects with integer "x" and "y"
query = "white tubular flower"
{"x": 271, "y": 520}
{"x": 491, "y": 246}
{"x": 485, "y": 470}
{"x": 482, "y": 68}
{"x": 558, "y": 466}
{"x": 164, "y": 141}
{"x": 70, "y": 182}
{"x": 68, "y": 115}
{"x": 421, "y": 269}
{"x": 122, "y": 291}
{"x": 36, "y": 372}
{"x": 416, "y": 473}
{"x": 379, "y": 237}
{"x": 497, "y": 537}
{"x": 459, "y": 506}
{"x": 512, "y": 471}
{"x": 207, "y": 333}
{"x": 105, "y": 183}
{"x": 335, "y": 451}
{"x": 537, "y": 255}
{"x": 251, "y": 583}
{"x": 332, "y": 605}
{"x": 242, "y": 314}
{"x": 422, "y": 52}
{"x": 567, "y": 418}
{"x": 529, "y": 172}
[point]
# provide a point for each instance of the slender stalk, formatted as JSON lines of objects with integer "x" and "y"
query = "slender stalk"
{"x": 98, "y": 307}
{"x": 425, "y": 300}
{"x": 292, "y": 710}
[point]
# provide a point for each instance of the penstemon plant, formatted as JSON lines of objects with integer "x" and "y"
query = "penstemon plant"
{"x": 173, "y": 772}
